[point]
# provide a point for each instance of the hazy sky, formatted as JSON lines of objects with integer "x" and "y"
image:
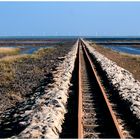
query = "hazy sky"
{"x": 70, "y": 18}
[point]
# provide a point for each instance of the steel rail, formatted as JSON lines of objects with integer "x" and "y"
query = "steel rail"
{"x": 120, "y": 134}
{"x": 80, "y": 106}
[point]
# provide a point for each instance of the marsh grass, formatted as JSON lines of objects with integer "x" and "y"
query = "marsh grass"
{"x": 9, "y": 50}
{"x": 42, "y": 51}
{"x": 131, "y": 56}
{"x": 8, "y": 64}
{"x": 22, "y": 75}
{"x": 6, "y": 73}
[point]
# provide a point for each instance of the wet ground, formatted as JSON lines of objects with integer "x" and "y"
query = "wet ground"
{"x": 28, "y": 49}
{"x": 130, "y": 45}
{"x": 128, "y": 62}
{"x": 26, "y": 74}
{"x": 124, "y": 49}
{"x": 31, "y": 49}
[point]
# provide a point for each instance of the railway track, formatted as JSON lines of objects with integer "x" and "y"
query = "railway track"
{"x": 96, "y": 117}
{"x": 92, "y": 111}
{"x": 101, "y": 112}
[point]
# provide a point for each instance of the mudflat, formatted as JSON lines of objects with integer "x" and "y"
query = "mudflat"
{"x": 126, "y": 61}
{"x": 22, "y": 75}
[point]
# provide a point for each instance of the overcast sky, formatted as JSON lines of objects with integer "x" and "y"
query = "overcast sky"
{"x": 70, "y": 18}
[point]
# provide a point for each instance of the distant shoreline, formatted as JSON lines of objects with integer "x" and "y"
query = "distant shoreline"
{"x": 69, "y": 37}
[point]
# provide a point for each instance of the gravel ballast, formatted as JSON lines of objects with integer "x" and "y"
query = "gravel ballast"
{"x": 121, "y": 79}
{"x": 49, "y": 109}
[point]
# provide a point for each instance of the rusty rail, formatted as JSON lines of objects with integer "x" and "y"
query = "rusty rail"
{"x": 104, "y": 95}
{"x": 80, "y": 125}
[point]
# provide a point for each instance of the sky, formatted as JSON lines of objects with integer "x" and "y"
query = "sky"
{"x": 69, "y": 18}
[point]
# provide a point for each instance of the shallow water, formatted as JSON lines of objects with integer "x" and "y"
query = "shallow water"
{"x": 31, "y": 50}
{"x": 28, "y": 49}
{"x": 124, "y": 49}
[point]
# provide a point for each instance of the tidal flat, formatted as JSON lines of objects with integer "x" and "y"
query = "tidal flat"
{"x": 22, "y": 74}
{"x": 127, "y": 61}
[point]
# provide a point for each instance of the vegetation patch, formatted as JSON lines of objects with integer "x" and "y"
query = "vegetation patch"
{"x": 21, "y": 75}
{"x": 9, "y": 50}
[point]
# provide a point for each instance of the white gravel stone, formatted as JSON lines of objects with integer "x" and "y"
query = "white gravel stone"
{"x": 49, "y": 109}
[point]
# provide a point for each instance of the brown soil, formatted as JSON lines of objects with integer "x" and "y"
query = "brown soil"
{"x": 126, "y": 61}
